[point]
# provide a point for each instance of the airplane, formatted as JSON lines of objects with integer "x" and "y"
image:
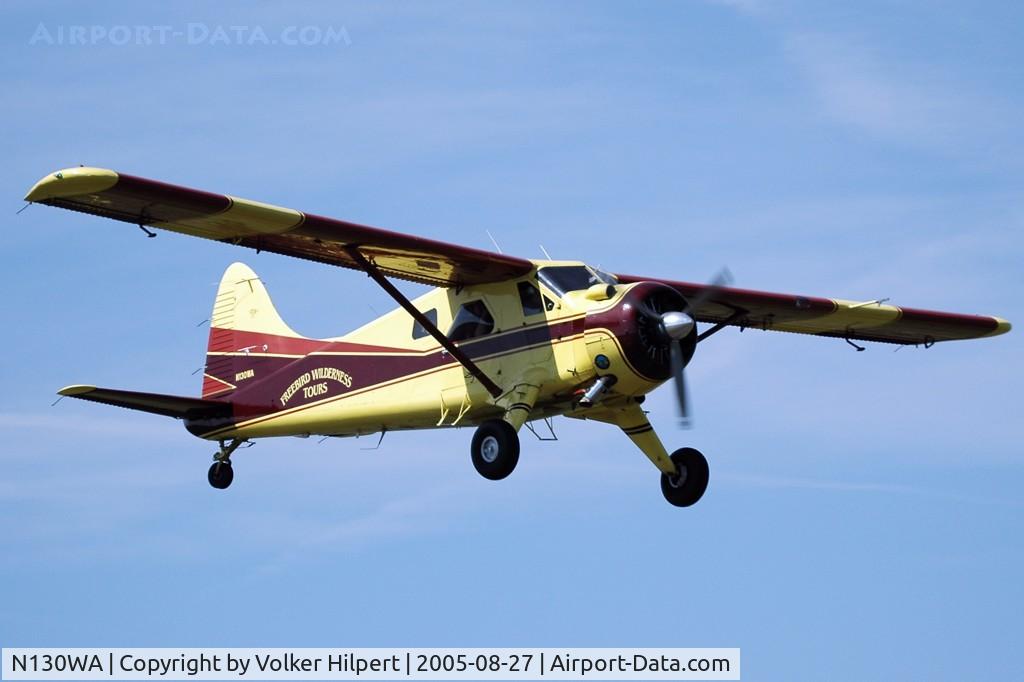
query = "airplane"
{"x": 499, "y": 342}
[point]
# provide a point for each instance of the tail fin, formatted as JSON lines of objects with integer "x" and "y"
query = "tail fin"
{"x": 243, "y": 321}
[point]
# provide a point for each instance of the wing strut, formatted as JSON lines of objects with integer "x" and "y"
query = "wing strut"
{"x": 377, "y": 276}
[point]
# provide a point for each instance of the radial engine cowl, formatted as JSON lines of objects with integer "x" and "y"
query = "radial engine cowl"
{"x": 644, "y": 331}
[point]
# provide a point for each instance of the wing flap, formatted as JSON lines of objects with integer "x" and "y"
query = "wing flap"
{"x": 265, "y": 227}
{"x": 179, "y": 407}
{"x": 855, "y": 320}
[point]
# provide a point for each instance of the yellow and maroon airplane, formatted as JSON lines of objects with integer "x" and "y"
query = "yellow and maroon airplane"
{"x": 500, "y": 341}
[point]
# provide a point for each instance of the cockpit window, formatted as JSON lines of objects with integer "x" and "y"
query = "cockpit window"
{"x": 565, "y": 278}
{"x": 418, "y": 330}
{"x": 472, "y": 320}
{"x": 530, "y": 298}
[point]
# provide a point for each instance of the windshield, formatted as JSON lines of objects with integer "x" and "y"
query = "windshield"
{"x": 564, "y": 278}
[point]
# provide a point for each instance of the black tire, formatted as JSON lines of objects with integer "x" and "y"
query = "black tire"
{"x": 689, "y": 485}
{"x": 495, "y": 449}
{"x": 220, "y": 475}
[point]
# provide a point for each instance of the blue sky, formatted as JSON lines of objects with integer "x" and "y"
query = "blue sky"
{"x": 864, "y": 515}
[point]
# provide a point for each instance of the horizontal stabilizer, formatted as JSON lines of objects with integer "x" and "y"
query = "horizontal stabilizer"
{"x": 179, "y": 407}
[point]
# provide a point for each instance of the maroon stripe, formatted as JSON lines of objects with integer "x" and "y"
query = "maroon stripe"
{"x": 758, "y": 305}
{"x": 140, "y": 200}
{"x": 194, "y": 201}
{"x": 472, "y": 265}
{"x": 272, "y": 376}
{"x": 233, "y": 340}
{"x": 954, "y": 324}
{"x": 137, "y": 201}
{"x": 260, "y": 342}
{"x": 915, "y": 326}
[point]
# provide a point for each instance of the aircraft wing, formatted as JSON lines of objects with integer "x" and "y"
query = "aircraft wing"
{"x": 269, "y": 228}
{"x": 858, "y": 321}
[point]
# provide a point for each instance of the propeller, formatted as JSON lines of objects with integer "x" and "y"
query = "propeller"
{"x": 676, "y": 326}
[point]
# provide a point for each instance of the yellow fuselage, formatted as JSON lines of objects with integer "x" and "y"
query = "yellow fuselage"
{"x": 379, "y": 377}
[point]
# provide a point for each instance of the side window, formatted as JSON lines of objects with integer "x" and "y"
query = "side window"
{"x": 530, "y": 298}
{"x": 472, "y": 320}
{"x": 548, "y": 304}
{"x": 418, "y": 331}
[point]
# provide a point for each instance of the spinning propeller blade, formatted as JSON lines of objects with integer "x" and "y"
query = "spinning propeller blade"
{"x": 680, "y": 382}
{"x": 678, "y": 325}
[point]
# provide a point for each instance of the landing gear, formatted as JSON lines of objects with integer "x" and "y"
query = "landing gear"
{"x": 684, "y": 473}
{"x": 220, "y": 474}
{"x": 495, "y": 449}
{"x": 688, "y": 484}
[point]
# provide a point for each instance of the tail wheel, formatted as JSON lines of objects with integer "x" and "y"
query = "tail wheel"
{"x": 220, "y": 474}
{"x": 688, "y": 484}
{"x": 495, "y": 449}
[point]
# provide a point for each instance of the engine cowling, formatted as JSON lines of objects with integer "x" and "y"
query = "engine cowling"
{"x": 635, "y": 324}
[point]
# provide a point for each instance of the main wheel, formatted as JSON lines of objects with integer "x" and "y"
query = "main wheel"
{"x": 495, "y": 449}
{"x": 691, "y": 480}
{"x": 220, "y": 474}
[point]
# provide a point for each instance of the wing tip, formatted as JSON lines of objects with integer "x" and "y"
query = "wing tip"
{"x": 1002, "y": 326}
{"x": 76, "y": 389}
{"x": 70, "y": 182}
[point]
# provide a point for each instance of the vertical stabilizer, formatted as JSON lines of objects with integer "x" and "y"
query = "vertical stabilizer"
{"x": 244, "y": 321}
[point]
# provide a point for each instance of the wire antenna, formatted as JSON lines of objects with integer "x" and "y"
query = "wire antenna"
{"x": 494, "y": 241}
{"x": 545, "y": 252}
